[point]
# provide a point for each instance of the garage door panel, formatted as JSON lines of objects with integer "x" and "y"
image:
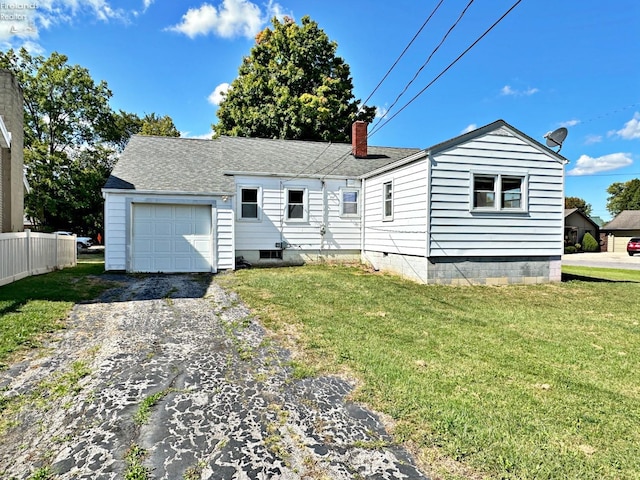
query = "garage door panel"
{"x": 163, "y": 212}
{"x": 171, "y": 238}
{"x": 182, "y": 228}
{"x": 162, "y": 228}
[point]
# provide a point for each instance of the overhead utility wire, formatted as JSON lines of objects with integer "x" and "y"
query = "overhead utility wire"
{"x": 403, "y": 52}
{"x": 404, "y": 90}
{"x": 372, "y": 93}
{"x": 343, "y": 158}
{"x": 486, "y": 32}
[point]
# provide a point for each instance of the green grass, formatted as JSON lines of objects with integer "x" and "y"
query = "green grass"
{"x": 514, "y": 382}
{"x": 144, "y": 410}
{"x": 35, "y": 306}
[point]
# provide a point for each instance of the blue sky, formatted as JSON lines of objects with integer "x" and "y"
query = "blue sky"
{"x": 548, "y": 64}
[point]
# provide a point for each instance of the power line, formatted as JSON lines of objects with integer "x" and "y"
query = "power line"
{"x": 486, "y": 32}
{"x": 403, "y": 52}
{"x": 415, "y": 76}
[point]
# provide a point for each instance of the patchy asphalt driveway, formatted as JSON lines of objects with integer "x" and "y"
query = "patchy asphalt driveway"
{"x": 179, "y": 372}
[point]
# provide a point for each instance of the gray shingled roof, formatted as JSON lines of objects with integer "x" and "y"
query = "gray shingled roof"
{"x": 202, "y": 166}
{"x": 625, "y": 220}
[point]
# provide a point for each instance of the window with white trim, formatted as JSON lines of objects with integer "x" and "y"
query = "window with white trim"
{"x": 498, "y": 192}
{"x": 296, "y": 208}
{"x": 250, "y": 203}
{"x": 349, "y": 201}
{"x": 387, "y": 201}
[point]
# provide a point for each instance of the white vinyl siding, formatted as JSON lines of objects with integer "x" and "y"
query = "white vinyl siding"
{"x": 406, "y": 232}
{"x": 323, "y": 208}
{"x": 457, "y": 229}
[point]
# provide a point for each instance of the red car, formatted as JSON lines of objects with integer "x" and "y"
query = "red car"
{"x": 633, "y": 246}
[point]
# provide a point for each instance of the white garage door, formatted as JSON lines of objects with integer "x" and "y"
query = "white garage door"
{"x": 171, "y": 238}
{"x": 620, "y": 244}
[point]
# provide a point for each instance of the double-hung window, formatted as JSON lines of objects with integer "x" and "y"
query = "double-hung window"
{"x": 387, "y": 201}
{"x": 499, "y": 192}
{"x": 349, "y": 202}
{"x": 250, "y": 203}
{"x": 296, "y": 208}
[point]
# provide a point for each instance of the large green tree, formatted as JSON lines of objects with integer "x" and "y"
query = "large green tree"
{"x": 579, "y": 203}
{"x": 292, "y": 85}
{"x": 623, "y": 196}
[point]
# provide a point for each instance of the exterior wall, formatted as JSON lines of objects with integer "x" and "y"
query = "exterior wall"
{"x": 11, "y": 159}
{"x": 406, "y": 233}
{"x": 468, "y": 270}
{"x": 457, "y": 231}
{"x": 117, "y": 219}
{"x": 324, "y": 233}
{"x": 581, "y": 225}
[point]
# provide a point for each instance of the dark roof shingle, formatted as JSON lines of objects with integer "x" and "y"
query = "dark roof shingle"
{"x": 625, "y": 220}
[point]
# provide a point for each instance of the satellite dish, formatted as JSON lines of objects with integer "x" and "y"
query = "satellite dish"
{"x": 555, "y": 138}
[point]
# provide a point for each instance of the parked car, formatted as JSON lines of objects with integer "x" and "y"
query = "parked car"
{"x": 633, "y": 246}
{"x": 81, "y": 242}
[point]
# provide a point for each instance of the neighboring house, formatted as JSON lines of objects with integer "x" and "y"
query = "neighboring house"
{"x": 621, "y": 229}
{"x": 485, "y": 207}
{"x": 11, "y": 154}
{"x": 576, "y": 224}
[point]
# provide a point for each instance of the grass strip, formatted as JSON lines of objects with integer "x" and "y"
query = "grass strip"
{"x": 36, "y": 306}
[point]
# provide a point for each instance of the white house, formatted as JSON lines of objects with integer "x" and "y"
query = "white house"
{"x": 485, "y": 207}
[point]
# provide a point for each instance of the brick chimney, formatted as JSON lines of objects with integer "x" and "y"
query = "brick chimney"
{"x": 359, "y": 139}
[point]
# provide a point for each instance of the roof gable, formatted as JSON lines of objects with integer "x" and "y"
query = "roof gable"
{"x": 498, "y": 127}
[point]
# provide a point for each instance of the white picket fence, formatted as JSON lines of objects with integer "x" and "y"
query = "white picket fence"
{"x": 28, "y": 253}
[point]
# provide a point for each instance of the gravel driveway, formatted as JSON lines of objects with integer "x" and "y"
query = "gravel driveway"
{"x": 221, "y": 402}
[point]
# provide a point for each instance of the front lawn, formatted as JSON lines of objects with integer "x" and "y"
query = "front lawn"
{"x": 517, "y": 382}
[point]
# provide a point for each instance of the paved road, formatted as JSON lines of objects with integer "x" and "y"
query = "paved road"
{"x": 603, "y": 259}
{"x": 227, "y": 405}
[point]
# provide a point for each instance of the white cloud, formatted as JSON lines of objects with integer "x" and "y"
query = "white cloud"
{"x": 470, "y": 128}
{"x": 232, "y": 18}
{"x": 381, "y": 112}
{"x": 508, "y": 91}
{"x": 218, "y": 94}
{"x": 631, "y": 130}
{"x": 570, "y": 123}
{"x": 587, "y": 165}
{"x": 23, "y": 21}
{"x": 591, "y": 139}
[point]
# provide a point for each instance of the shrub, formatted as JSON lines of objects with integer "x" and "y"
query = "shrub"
{"x": 589, "y": 244}
{"x": 570, "y": 249}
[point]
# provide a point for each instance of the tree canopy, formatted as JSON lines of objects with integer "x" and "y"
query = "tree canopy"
{"x": 153, "y": 124}
{"x": 292, "y": 86}
{"x": 72, "y": 139}
{"x": 579, "y": 203}
{"x": 623, "y": 196}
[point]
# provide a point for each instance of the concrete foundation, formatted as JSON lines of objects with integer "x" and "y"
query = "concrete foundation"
{"x": 468, "y": 270}
{"x": 292, "y": 257}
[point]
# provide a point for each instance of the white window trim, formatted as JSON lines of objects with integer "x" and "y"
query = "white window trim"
{"x": 305, "y": 205}
{"x": 239, "y": 216}
{"x": 344, "y": 190}
{"x": 497, "y": 208}
{"x": 387, "y": 218}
